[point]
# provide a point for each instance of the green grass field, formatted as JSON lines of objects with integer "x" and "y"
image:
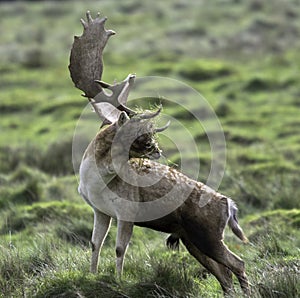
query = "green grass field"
{"x": 241, "y": 56}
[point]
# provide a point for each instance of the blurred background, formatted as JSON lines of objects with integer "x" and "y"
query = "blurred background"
{"x": 241, "y": 56}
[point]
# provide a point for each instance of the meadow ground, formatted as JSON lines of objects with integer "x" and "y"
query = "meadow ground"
{"x": 241, "y": 56}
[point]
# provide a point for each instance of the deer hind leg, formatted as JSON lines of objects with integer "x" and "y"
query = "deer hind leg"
{"x": 124, "y": 233}
{"x": 100, "y": 230}
{"x": 222, "y": 273}
{"x": 237, "y": 266}
{"x": 211, "y": 244}
{"x": 221, "y": 254}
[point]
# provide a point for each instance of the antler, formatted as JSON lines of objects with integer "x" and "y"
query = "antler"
{"x": 86, "y": 64}
{"x": 86, "y": 67}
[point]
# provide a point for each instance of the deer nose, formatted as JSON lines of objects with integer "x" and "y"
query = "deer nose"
{"x": 155, "y": 155}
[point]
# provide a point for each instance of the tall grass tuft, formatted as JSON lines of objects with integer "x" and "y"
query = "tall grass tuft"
{"x": 19, "y": 265}
{"x": 279, "y": 280}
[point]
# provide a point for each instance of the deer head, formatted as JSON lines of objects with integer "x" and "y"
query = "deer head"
{"x": 138, "y": 135}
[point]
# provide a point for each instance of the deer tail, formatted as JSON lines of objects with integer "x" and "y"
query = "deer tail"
{"x": 233, "y": 222}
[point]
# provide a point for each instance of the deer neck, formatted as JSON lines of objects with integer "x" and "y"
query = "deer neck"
{"x": 102, "y": 144}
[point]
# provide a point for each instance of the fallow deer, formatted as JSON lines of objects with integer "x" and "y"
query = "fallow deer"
{"x": 119, "y": 179}
{"x": 199, "y": 226}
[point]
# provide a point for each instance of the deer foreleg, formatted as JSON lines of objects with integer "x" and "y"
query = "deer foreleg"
{"x": 101, "y": 227}
{"x": 123, "y": 237}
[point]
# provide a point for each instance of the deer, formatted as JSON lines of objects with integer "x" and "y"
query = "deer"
{"x": 121, "y": 178}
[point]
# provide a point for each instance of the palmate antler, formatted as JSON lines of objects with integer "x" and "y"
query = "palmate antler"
{"x": 86, "y": 68}
{"x": 86, "y": 64}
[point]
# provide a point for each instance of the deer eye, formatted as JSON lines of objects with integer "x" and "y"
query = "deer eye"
{"x": 143, "y": 139}
{"x": 148, "y": 144}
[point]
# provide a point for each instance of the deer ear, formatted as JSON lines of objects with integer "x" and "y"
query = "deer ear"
{"x": 123, "y": 118}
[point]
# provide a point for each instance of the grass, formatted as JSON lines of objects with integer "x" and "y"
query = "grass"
{"x": 240, "y": 56}
{"x": 49, "y": 267}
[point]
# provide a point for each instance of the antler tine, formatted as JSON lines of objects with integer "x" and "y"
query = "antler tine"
{"x": 110, "y": 32}
{"x": 160, "y": 129}
{"x": 89, "y": 17}
{"x": 84, "y": 24}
